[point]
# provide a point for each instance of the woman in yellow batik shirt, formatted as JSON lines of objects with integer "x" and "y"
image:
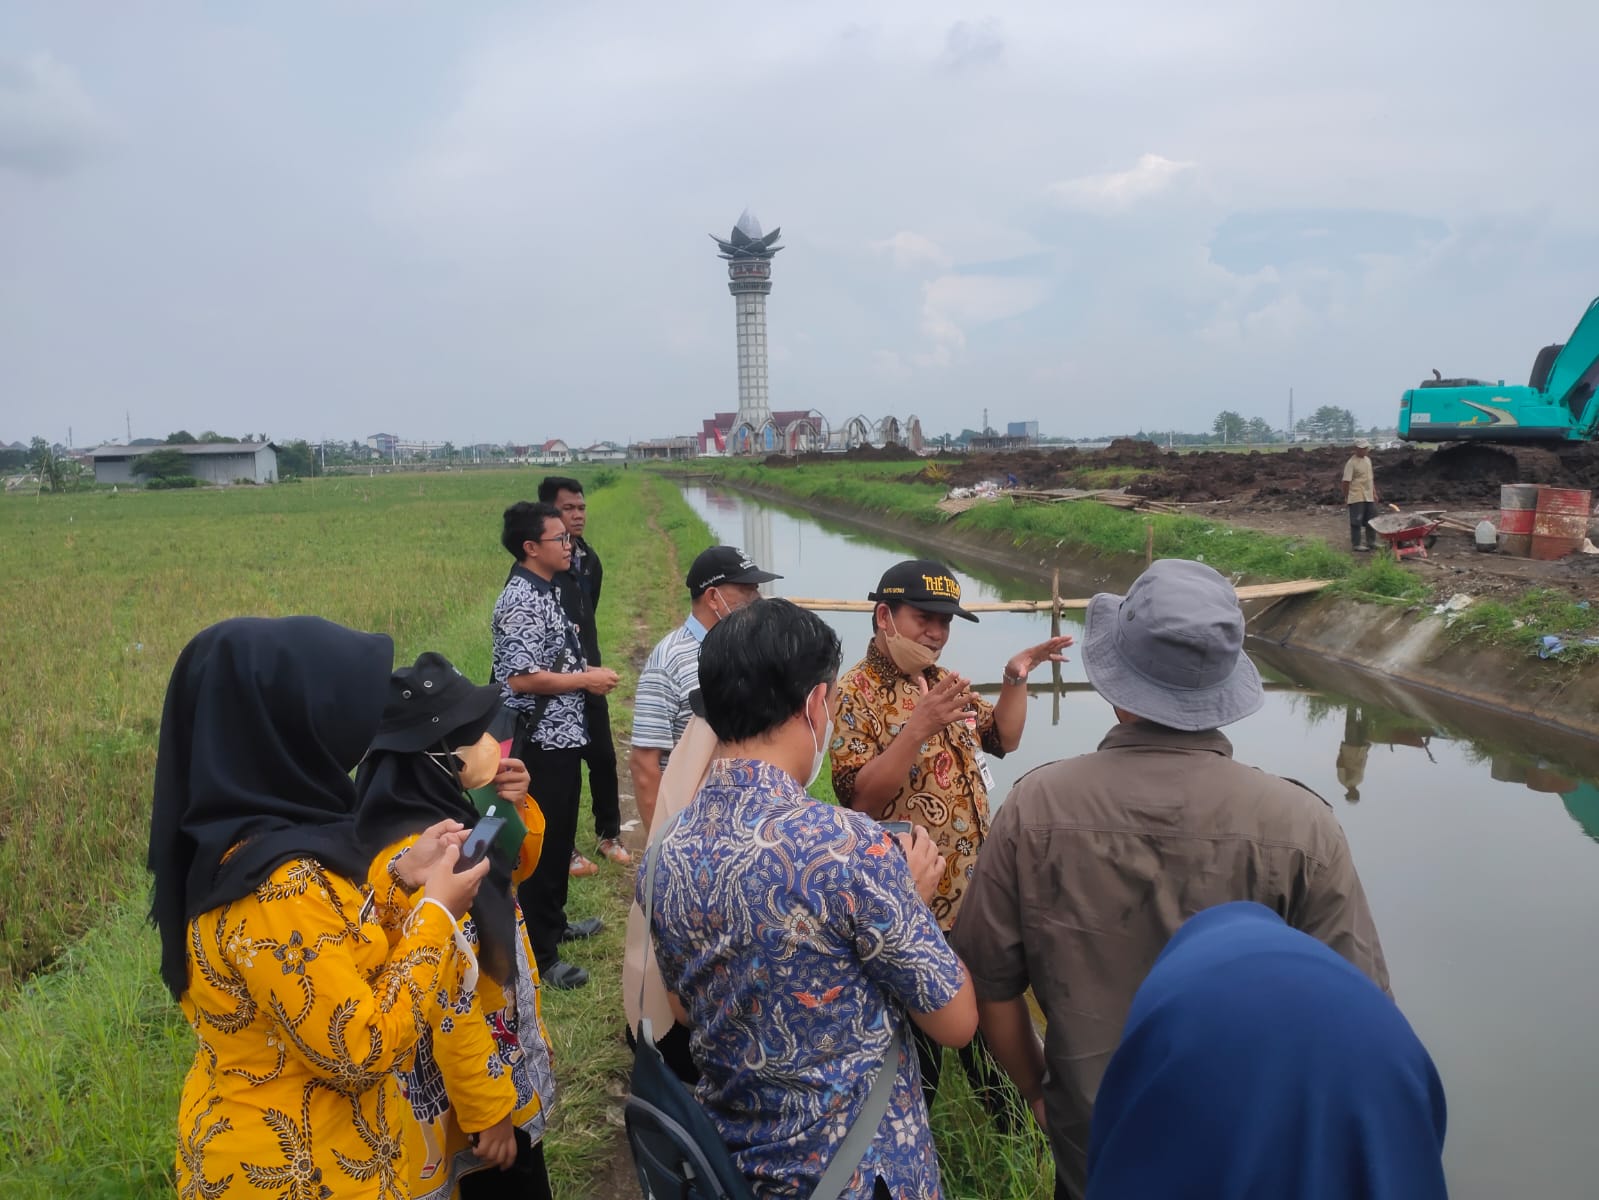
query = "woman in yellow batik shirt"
{"x": 480, "y": 1084}
{"x": 305, "y": 987}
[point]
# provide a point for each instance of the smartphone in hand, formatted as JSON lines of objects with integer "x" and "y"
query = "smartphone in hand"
{"x": 478, "y": 841}
{"x": 897, "y": 827}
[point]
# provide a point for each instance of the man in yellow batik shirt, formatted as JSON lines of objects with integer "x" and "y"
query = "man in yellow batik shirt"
{"x": 911, "y": 742}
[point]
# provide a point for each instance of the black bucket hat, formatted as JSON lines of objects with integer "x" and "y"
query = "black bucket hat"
{"x": 431, "y": 702}
{"x": 924, "y": 584}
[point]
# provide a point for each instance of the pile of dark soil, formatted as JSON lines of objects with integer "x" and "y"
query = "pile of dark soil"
{"x": 1031, "y": 468}
{"x": 1461, "y": 476}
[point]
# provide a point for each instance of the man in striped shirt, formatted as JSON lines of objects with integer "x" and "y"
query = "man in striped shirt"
{"x": 722, "y": 579}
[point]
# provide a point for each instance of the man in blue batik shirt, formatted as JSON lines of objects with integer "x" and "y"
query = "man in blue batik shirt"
{"x": 539, "y": 659}
{"x": 794, "y": 937}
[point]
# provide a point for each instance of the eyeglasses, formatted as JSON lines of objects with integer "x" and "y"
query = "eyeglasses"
{"x": 564, "y": 538}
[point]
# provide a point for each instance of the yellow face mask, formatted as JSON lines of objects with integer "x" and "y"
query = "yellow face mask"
{"x": 480, "y": 762}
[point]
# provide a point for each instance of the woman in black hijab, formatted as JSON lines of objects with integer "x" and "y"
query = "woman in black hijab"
{"x": 303, "y": 997}
{"x": 480, "y": 1084}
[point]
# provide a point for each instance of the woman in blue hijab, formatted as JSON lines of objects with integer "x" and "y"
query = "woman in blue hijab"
{"x": 1256, "y": 1062}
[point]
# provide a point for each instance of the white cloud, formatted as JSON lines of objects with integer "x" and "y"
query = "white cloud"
{"x": 48, "y": 123}
{"x": 1119, "y": 190}
{"x": 969, "y": 43}
{"x": 910, "y": 250}
{"x": 951, "y": 304}
{"x": 889, "y": 364}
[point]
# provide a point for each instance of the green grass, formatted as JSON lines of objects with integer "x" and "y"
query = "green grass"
{"x": 977, "y": 1161}
{"x": 100, "y": 592}
{"x": 1105, "y": 477}
{"x": 1382, "y": 580}
{"x": 1522, "y": 624}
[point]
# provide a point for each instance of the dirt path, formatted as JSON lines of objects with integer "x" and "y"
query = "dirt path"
{"x": 617, "y": 1179}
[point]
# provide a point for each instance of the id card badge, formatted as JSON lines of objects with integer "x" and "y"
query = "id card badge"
{"x": 982, "y": 769}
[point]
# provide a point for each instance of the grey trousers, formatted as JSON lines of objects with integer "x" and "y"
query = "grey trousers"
{"x": 1360, "y": 514}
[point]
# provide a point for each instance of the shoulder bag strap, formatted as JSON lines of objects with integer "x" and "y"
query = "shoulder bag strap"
{"x": 533, "y": 717}
{"x": 863, "y": 1130}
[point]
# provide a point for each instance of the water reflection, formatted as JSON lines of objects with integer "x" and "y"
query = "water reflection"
{"x": 1484, "y": 887}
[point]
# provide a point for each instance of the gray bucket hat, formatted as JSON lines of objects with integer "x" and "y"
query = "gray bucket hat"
{"x": 1171, "y": 649}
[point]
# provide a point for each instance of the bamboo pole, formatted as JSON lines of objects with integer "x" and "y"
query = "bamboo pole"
{"x": 1054, "y": 632}
{"x": 1255, "y": 591}
{"x": 1072, "y": 686}
{"x": 1149, "y": 543}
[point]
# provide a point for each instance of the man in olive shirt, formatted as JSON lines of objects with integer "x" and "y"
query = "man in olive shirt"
{"x": 1092, "y": 863}
{"x": 1360, "y": 494}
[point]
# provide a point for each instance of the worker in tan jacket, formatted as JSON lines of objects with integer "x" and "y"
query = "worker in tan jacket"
{"x": 1360, "y": 494}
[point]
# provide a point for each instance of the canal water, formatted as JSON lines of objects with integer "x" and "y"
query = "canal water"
{"x": 1481, "y": 861}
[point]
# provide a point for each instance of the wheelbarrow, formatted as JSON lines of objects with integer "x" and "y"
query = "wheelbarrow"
{"x": 1408, "y": 534}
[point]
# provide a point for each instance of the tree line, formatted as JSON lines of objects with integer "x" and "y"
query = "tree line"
{"x": 1328, "y": 423}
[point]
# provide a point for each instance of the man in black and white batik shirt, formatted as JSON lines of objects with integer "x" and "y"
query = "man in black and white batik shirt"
{"x": 539, "y": 660}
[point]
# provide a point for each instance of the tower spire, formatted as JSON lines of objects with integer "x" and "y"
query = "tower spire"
{"x": 748, "y": 252}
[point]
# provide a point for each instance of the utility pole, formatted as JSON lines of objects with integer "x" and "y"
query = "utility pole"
{"x": 127, "y": 415}
{"x": 1290, "y": 437}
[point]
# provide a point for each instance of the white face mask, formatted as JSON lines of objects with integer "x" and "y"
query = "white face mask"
{"x": 819, "y": 741}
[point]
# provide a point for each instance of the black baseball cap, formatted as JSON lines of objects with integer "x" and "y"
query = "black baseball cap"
{"x": 924, "y": 584}
{"x": 724, "y": 564}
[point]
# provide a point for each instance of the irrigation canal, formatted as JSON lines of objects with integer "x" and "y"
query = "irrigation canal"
{"x": 1481, "y": 860}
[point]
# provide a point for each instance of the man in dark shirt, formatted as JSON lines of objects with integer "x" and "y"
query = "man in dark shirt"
{"x": 579, "y": 587}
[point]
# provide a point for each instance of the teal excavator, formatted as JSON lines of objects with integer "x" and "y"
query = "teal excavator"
{"x": 1558, "y": 404}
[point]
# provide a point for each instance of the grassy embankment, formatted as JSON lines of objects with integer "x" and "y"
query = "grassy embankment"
{"x": 890, "y": 489}
{"x": 99, "y": 593}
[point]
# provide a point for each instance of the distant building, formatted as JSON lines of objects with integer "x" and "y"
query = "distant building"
{"x": 398, "y": 449}
{"x": 1022, "y": 429}
{"x": 998, "y": 441}
{"x": 714, "y": 432}
{"x": 213, "y": 462}
{"x": 661, "y": 449}
{"x": 553, "y": 453}
{"x": 602, "y": 452}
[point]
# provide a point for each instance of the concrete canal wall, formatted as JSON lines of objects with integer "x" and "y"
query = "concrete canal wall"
{"x": 1376, "y": 652}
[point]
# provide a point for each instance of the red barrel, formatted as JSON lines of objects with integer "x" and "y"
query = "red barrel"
{"x": 1517, "y": 503}
{"x": 1560, "y": 522}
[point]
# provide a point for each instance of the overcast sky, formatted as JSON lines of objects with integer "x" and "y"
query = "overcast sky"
{"x": 488, "y": 221}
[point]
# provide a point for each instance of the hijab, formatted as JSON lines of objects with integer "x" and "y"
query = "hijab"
{"x": 264, "y": 720}
{"x": 1256, "y": 1062}
{"x": 400, "y": 793}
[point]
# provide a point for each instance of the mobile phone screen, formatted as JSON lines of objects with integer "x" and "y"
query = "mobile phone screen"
{"x": 478, "y": 841}
{"x": 896, "y": 826}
